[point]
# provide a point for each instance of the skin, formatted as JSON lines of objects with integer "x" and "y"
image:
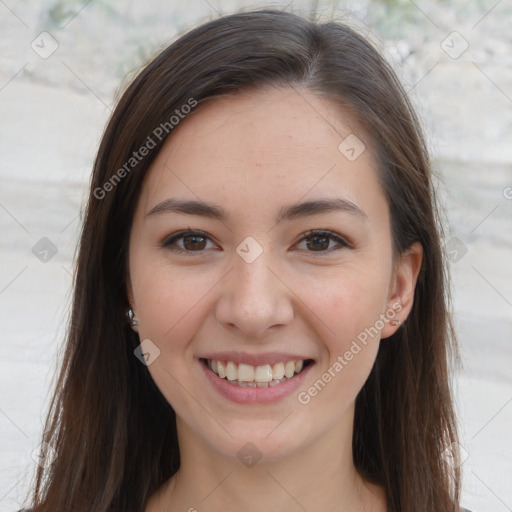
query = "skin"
{"x": 252, "y": 154}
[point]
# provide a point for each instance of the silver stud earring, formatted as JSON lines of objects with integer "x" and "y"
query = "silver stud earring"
{"x": 131, "y": 317}
{"x": 396, "y": 322}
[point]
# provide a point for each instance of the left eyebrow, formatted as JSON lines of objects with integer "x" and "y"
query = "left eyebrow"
{"x": 319, "y": 206}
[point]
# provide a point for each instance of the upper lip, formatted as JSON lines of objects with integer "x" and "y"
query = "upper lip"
{"x": 254, "y": 359}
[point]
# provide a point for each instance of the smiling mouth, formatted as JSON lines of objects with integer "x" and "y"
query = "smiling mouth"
{"x": 263, "y": 376}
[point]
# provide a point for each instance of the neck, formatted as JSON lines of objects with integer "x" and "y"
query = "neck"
{"x": 315, "y": 479}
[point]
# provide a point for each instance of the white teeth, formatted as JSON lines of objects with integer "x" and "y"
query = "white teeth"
{"x": 231, "y": 372}
{"x": 278, "y": 371}
{"x": 289, "y": 369}
{"x": 263, "y": 373}
{"x": 258, "y": 384}
{"x": 221, "y": 369}
{"x": 246, "y": 375}
{"x": 245, "y": 372}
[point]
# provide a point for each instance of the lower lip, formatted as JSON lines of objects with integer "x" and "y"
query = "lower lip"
{"x": 245, "y": 395}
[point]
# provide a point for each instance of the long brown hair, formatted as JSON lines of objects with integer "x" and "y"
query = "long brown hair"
{"x": 113, "y": 433}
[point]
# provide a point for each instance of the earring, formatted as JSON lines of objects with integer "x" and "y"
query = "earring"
{"x": 396, "y": 322}
{"x": 131, "y": 317}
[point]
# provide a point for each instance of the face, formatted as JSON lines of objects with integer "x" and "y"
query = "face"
{"x": 257, "y": 243}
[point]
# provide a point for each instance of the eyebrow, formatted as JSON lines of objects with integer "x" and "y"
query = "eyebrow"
{"x": 291, "y": 212}
{"x": 200, "y": 208}
{"x": 319, "y": 206}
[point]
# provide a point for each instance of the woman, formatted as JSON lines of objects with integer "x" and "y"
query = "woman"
{"x": 262, "y": 211}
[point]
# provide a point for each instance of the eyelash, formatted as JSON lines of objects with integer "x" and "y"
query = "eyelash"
{"x": 172, "y": 239}
{"x": 341, "y": 241}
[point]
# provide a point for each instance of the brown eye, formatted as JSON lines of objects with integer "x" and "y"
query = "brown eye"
{"x": 318, "y": 243}
{"x": 322, "y": 241}
{"x": 194, "y": 242}
{"x": 188, "y": 241}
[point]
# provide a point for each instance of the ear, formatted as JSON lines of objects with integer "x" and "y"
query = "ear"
{"x": 403, "y": 284}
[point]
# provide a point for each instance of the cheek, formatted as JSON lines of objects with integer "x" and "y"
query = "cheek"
{"x": 172, "y": 307}
{"x": 349, "y": 306}
{"x": 168, "y": 298}
{"x": 348, "y": 300}
{"x": 348, "y": 313}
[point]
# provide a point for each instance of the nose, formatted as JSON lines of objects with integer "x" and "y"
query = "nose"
{"x": 253, "y": 299}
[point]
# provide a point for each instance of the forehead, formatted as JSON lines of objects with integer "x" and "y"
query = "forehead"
{"x": 275, "y": 145}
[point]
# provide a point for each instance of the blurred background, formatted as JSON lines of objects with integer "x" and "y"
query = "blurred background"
{"x": 62, "y": 66}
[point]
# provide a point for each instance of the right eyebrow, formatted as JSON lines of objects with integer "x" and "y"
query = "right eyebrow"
{"x": 201, "y": 208}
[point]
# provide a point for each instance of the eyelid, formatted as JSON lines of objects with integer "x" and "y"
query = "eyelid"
{"x": 170, "y": 239}
{"x": 341, "y": 240}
